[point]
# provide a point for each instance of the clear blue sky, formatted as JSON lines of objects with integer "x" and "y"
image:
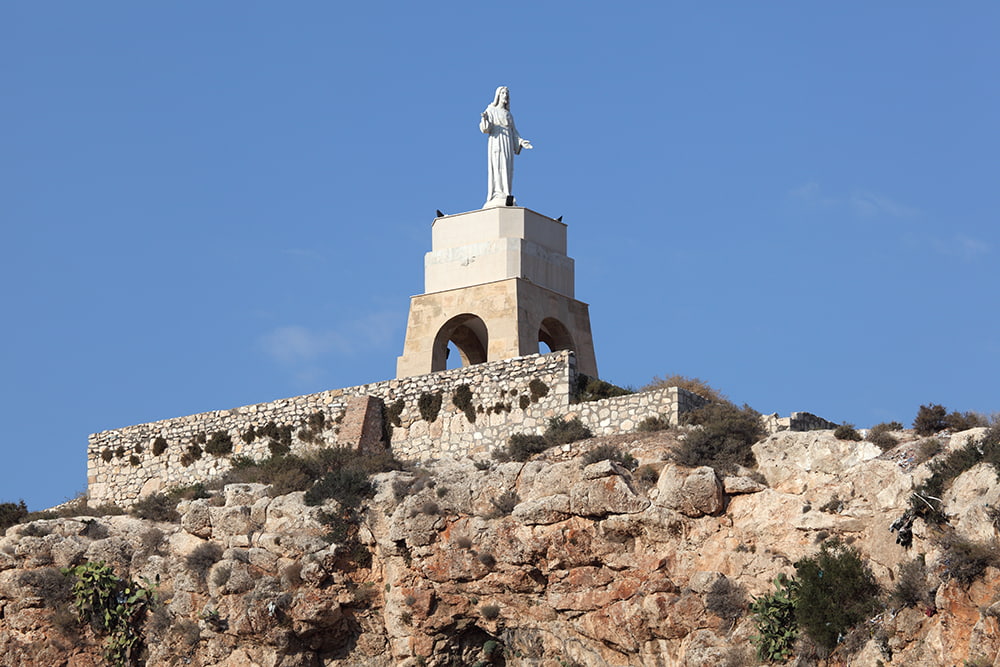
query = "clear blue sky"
{"x": 206, "y": 205}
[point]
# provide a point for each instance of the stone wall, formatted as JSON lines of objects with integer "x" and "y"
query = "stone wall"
{"x": 425, "y": 416}
{"x": 625, "y": 413}
{"x": 798, "y": 421}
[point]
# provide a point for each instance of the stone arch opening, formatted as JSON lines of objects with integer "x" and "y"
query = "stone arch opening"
{"x": 555, "y": 335}
{"x": 468, "y": 334}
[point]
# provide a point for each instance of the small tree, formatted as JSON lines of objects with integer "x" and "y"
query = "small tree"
{"x": 930, "y": 419}
{"x": 836, "y": 591}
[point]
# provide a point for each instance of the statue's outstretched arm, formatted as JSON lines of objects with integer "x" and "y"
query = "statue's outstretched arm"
{"x": 484, "y": 123}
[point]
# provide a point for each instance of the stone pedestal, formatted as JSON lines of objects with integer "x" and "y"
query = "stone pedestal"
{"x": 497, "y": 282}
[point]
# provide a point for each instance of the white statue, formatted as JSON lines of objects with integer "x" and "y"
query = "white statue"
{"x": 504, "y": 144}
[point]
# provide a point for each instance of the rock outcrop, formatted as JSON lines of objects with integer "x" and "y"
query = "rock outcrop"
{"x": 549, "y": 562}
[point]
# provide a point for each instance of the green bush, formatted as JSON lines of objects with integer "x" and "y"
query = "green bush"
{"x": 930, "y": 419}
{"x": 610, "y": 453}
{"x": 11, "y": 514}
{"x": 293, "y": 472}
{"x": 846, "y": 432}
{"x": 774, "y": 616}
{"x": 944, "y": 470}
{"x": 911, "y": 585}
{"x": 429, "y": 405}
{"x": 156, "y": 507}
{"x": 561, "y": 432}
{"x": 521, "y": 447}
{"x": 724, "y": 439}
{"x": 880, "y": 435}
{"x": 593, "y": 389}
{"x": 965, "y": 560}
{"x": 651, "y": 424}
{"x": 836, "y": 590}
{"x": 346, "y": 486}
{"x": 963, "y": 421}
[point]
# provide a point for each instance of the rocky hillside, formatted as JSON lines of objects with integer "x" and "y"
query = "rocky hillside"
{"x": 549, "y": 562}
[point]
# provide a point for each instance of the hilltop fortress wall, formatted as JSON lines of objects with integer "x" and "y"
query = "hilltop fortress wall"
{"x": 465, "y": 412}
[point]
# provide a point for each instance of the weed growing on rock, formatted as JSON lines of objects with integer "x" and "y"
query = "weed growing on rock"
{"x": 462, "y": 399}
{"x": 429, "y": 405}
{"x": 489, "y": 611}
{"x": 159, "y": 445}
{"x": 726, "y": 599}
{"x": 345, "y": 485}
{"x": 220, "y": 444}
{"x": 392, "y": 413}
{"x": 505, "y": 503}
{"x": 192, "y": 454}
{"x": 537, "y": 389}
{"x": 48, "y": 583}
{"x": 203, "y": 557}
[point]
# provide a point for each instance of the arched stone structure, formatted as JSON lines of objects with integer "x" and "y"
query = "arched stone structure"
{"x": 497, "y": 281}
{"x": 554, "y": 333}
{"x": 470, "y": 336}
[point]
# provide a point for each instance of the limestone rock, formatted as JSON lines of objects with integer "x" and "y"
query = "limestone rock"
{"x": 543, "y": 511}
{"x": 693, "y": 493}
{"x": 197, "y": 519}
{"x": 733, "y": 485}
{"x": 603, "y": 496}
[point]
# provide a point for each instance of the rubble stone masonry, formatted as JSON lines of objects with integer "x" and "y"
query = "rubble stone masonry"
{"x": 510, "y": 396}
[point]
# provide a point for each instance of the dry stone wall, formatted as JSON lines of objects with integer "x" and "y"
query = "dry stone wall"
{"x": 465, "y": 412}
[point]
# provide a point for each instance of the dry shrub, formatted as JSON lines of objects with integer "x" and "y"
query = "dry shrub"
{"x": 724, "y": 439}
{"x": 694, "y": 385}
{"x": 727, "y": 600}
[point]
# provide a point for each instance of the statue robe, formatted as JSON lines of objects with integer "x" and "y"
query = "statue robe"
{"x": 504, "y": 144}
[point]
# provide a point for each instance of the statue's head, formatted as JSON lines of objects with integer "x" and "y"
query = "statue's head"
{"x": 502, "y": 97}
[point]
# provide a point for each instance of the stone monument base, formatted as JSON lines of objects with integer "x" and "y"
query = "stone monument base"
{"x": 493, "y": 321}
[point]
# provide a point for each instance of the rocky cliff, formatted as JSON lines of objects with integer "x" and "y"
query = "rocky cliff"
{"x": 549, "y": 562}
